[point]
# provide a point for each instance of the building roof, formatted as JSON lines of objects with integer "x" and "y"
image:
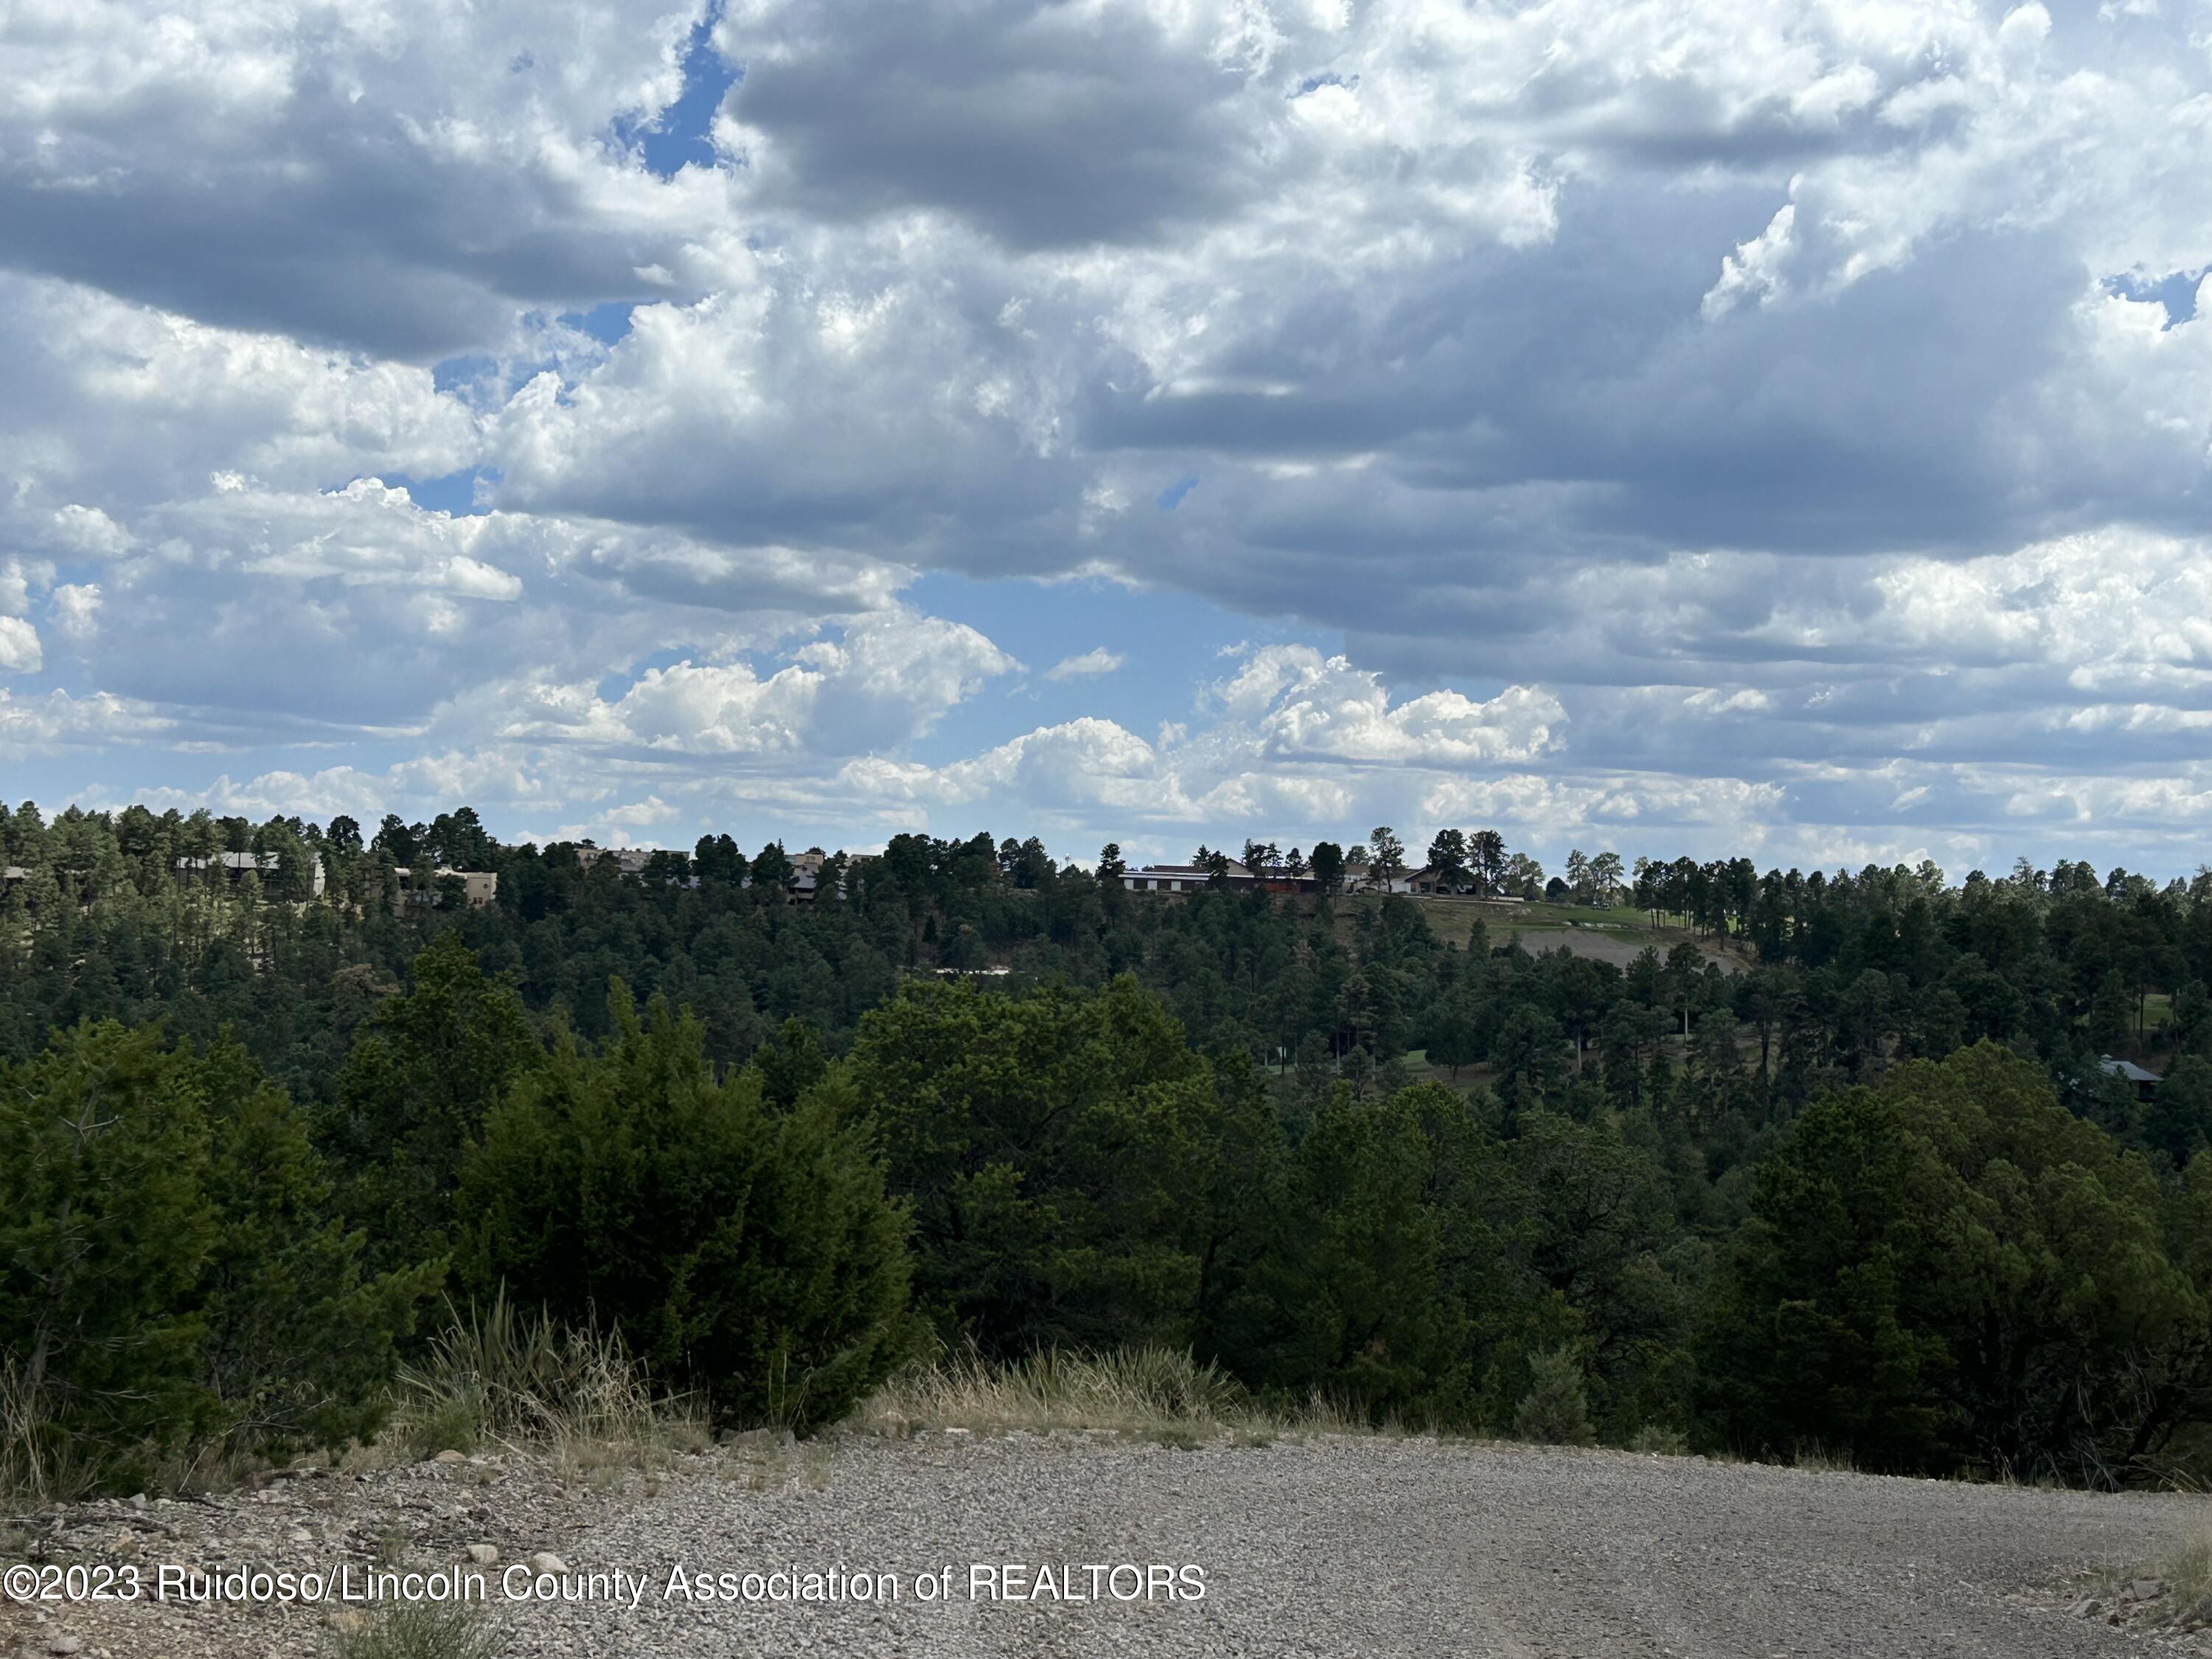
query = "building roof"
{"x": 2121, "y": 1068}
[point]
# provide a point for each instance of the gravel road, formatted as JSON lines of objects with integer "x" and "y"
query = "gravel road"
{"x": 1344, "y": 1547}
{"x": 1336, "y": 1546}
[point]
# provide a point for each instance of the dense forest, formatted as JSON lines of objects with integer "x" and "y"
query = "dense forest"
{"x": 1826, "y": 1161}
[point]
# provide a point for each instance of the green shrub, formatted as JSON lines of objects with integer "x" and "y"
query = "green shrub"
{"x": 420, "y": 1631}
{"x": 1951, "y": 1269}
{"x": 1656, "y": 1439}
{"x": 434, "y": 1419}
{"x": 1357, "y": 1282}
{"x": 299, "y": 1341}
{"x": 1556, "y": 1409}
{"x": 1063, "y": 1152}
{"x": 746, "y": 1252}
{"x": 169, "y": 1273}
{"x": 106, "y": 1227}
{"x": 413, "y": 1094}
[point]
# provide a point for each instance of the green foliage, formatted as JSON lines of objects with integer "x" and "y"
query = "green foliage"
{"x": 2177, "y": 1122}
{"x": 1949, "y": 1268}
{"x": 428, "y": 1630}
{"x": 743, "y": 1249}
{"x": 2111, "y": 1013}
{"x": 300, "y": 1337}
{"x": 106, "y": 1226}
{"x": 1555, "y": 1410}
{"x": 1187, "y": 1126}
{"x": 413, "y": 1093}
{"x": 167, "y": 1268}
{"x": 495, "y": 1372}
{"x": 1063, "y": 1155}
{"x": 1657, "y": 1440}
{"x": 1529, "y": 1055}
{"x": 1354, "y": 1289}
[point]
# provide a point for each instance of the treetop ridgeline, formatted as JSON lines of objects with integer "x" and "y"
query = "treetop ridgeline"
{"x": 134, "y": 913}
{"x": 1868, "y": 1161}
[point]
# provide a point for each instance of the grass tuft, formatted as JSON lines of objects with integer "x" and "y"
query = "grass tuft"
{"x": 2188, "y": 1576}
{"x": 39, "y": 1465}
{"x": 1812, "y": 1454}
{"x": 1160, "y": 1393}
{"x": 496, "y": 1374}
{"x": 420, "y": 1631}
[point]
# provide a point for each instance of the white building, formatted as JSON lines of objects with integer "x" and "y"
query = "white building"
{"x": 479, "y": 888}
{"x": 1181, "y": 877}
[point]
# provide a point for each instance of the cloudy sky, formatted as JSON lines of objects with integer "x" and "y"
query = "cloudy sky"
{"x": 1669, "y": 425}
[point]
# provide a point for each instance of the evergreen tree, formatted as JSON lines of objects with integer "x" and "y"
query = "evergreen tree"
{"x": 413, "y": 1093}
{"x": 106, "y": 1228}
{"x": 741, "y": 1248}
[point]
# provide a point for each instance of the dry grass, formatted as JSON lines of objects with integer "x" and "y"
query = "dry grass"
{"x": 498, "y": 1376}
{"x": 37, "y": 1465}
{"x": 2187, "y": 1575}
{"x": 1823, "y": 1460}
{"x": 1155, "y": 1393}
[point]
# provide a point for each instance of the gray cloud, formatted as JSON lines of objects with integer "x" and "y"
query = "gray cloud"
{"x": 397, "y": 184}
{"x": 1739, "y": 411}
{"x": 1045, "y": 126}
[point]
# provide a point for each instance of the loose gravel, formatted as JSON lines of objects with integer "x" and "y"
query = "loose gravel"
{"x": 1333, "y": 1546}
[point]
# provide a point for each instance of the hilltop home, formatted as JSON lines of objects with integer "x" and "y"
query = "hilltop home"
{"x": 479, "y": 888}
{"x": 2144, "y": 1083}
{"x": 233, "y": 866}
{"x": 1181, "y": 877}
{"x": 806, "y": 878}
{"x": 1359, "y": 876}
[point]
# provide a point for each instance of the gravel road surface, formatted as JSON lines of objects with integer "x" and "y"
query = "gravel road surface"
{"x": 1336, "y": 1546}
{"x": 1352, "y": 1546}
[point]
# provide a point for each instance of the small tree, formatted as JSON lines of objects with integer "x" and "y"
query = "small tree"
{"x": 1448, "y": 858}
{"x": 771, "y": 873}
{"x": 1523, "y": 875}
{"x": 413, "y": 1092}
{"x": 1555, "y": 1410}
{"x": 1605, "y": 877}
{"x": 1578, "y": 875}
{"x": 1386, "y": 854}
{"x": 1328, "y": 865}
{"x": 2111, "y": 1013}
{"x": 1454, "y": 1035}
{"x": 1486, "y": 853}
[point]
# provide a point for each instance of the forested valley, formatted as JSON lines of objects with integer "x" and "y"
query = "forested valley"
{"x": 1836, "y": 1162}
